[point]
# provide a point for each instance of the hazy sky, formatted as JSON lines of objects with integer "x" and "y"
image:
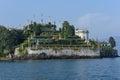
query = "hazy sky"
{"x": 100, "y": 17}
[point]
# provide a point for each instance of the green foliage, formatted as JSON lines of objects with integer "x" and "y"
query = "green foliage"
{"x": 2, "y": 54}
{"x": 72, "y": 30}
{"x": 3, "y": 37}
{"x": 39, "y": 29}
{"x": 112, "y": 42}
{"x": 67, "y": 30}
{"x": 10, "y": 38}
{"x": 25, "y": 44}
{"x": 107, "y": 48}
{"x": 15, "y": 37}
{"x": 23, "y": 52}
{"x": 93, "y": 43}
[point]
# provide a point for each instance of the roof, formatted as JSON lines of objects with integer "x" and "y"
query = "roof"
{"x": 82, "y": 30}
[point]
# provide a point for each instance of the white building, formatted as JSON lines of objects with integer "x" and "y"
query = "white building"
{"x": 84, "y": 34}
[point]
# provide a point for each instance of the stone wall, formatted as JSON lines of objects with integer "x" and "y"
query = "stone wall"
{"x": 108, "y": 53}
{"x": 64, "y": 53}
{"x": 81, "y": 51}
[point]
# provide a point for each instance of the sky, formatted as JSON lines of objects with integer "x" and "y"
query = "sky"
{"x": 100, "y": 17}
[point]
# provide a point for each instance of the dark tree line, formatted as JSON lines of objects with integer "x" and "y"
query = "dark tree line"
{"x": 9, "y": 39}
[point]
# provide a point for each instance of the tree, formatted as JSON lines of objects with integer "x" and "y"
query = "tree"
{"x": 67, "y": 29}
{"x": 14, "y": 38}
{"x": 72, "y": 30}
{"x": 112, "y": 42}
{"x": 3, "y": 37}
{"x": 9, "y": 39}
{"x": 37, "y": 30}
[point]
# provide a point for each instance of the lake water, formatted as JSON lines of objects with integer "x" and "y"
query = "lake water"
{"x": 71, "y": 69}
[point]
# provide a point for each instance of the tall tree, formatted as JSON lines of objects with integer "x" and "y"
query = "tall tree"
{"x": 10, "y": 38}
{"x": 37, "y": 30}
{"x": 3, "y": 37}
{"x": 112, "y": 42}
{"x": 67, "y": 29}
{"x": 14, "y": 38}
{"x": 72, "y": 30}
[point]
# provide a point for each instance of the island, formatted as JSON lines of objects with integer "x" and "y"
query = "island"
{"x": 45, "y": 41}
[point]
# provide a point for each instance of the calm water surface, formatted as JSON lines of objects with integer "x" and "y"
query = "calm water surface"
{"x": 76, "y": 69}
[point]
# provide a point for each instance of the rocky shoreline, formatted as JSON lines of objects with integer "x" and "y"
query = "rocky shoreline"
{"x": 66, "y": 53}
{"x": 44, "y": 57}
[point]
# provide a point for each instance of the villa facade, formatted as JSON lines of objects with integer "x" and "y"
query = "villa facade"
{"x": 84, "y": 34}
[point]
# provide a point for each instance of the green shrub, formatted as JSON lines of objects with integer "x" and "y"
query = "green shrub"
{"x": 2, "y": 54}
